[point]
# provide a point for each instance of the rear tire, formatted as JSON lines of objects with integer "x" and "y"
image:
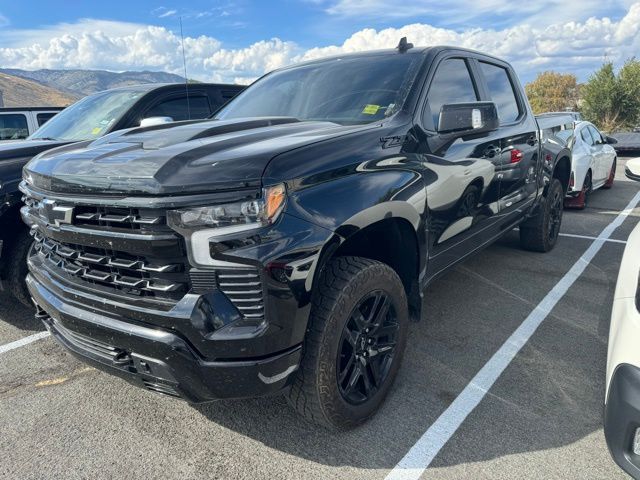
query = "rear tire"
{"x": 354, "y": 343}
{"x": 612, "y": 175}
{"x": 540, "y": 233}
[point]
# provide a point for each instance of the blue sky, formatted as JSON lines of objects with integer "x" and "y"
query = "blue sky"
{"x": 237, "y": 40}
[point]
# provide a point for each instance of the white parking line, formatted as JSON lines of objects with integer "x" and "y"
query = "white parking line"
{"x": 23, "y": 341}
{"x": 612, "y": 240}
{"x": 420, "y": 456}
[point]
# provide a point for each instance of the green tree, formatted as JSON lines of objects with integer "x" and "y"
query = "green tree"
{"x": 603, "y": 99}
{"x": 553, "y": 92}
{"x": 629, "y": 78}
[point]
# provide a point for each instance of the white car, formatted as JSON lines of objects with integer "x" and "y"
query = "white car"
{"x": 622, "y": 402}
{"x": 19, "y": 123}
{"x": 593, "y": 164}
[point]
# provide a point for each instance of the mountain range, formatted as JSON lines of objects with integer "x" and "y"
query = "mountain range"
{"x": 62, "y": 87}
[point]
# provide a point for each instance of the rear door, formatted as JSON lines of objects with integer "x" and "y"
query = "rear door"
{"x": 518, "y": 165}
{"x": 601, "y": 157}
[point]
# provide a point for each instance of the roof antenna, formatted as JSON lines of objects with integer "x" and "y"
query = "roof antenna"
{"x": 184, "y": 63}
{"x": 403, "y": 46}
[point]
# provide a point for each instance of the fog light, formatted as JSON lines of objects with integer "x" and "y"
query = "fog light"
{"x": 636, "y": 442}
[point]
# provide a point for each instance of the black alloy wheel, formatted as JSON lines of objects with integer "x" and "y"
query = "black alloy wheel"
{"x": 366, "y": 348}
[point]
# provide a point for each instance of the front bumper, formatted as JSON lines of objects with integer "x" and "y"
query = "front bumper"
{"x": 622, "y": 417}
{"x": 158, "y": 359}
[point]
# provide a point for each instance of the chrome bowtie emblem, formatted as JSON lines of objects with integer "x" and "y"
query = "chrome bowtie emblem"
{"x": 54, "y": 214}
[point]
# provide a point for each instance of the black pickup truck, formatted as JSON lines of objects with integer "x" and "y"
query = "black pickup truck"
{"x": 284, "y": 245}
{"x": 88, "y": 119}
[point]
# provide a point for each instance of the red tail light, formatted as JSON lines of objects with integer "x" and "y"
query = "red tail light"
{"x": 516, "y": 155}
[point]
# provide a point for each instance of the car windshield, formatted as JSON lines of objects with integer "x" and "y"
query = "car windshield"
{"x": 90, "y": 118}
{"x": 342, "y": 90}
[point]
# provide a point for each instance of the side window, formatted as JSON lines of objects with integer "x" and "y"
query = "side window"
{"x": 597, "y": 138}
{"x": 451, "y": 84}
{"x": 501, "y": 91}
{"x": 178, "y": 109}
{"x": 43, "y": 118}
{"x": 13, "y": 126}
{"x": 584, "y": 133}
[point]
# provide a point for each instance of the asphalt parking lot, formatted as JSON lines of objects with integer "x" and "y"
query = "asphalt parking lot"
{"x": 542, "y": 418}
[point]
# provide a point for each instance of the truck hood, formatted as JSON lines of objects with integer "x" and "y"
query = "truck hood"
{"x": 190, "y": 157}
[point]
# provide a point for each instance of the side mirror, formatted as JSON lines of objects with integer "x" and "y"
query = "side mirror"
{"x": 632, "y": 169}
{"x": 610, "y": 140}
{"x": 468, "y": 118}
{"x": 151, "y": 121}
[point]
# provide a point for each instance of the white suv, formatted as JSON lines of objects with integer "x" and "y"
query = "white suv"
{"x": 18, "y": 123}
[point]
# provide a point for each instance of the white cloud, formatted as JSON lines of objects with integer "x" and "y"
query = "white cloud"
{"x": 4, "y": 21}
{"x": 570, "y": 46}
{"x": 168, "y": 13}
{"x": 540, "y": 12}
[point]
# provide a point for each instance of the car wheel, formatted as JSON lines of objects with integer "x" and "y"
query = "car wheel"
{"x": 580, "y": 201}
{"x": 612, "y": 175}
{"x": 354, "y": 343}
{"x": 540, "y": 233}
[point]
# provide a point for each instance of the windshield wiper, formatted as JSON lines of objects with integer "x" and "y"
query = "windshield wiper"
{"x": 44, "y": 138}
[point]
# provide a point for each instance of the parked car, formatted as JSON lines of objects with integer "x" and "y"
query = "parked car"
{"x": 622, "y": 402}
{"x": 86, "y": 120}
{"x": 282, "y": 246}
{"x": 628, "y": 142}
{"x": 19, "y": 123}
{"x": 593, "y": 164}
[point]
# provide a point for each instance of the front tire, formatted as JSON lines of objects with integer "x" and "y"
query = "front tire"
{"x": 540, "y": 233}
{"x": 16, "y": 267}
{"x": 354, "y": 343}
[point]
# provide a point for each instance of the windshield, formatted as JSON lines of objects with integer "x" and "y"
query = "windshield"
{"x": 343, "y": 90}
{"x": 90, "y": 118}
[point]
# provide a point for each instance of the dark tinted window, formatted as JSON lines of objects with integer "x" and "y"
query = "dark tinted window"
{"x": 13, "y": 126}
{"x": 501, "y": 91}
{"x": 44, "y": 117}
{"x": 451, "y": 84}
{"x": 178, "y": 109}
{"x": 584, "y": 133}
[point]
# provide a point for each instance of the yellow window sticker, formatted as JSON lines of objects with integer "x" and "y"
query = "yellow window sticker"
{"x": 371, "y": 109}
{"x": 96, "y": 131}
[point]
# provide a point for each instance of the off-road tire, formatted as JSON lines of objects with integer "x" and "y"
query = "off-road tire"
{"x": 314, "y": 393}
{"x": 536, "y": 234}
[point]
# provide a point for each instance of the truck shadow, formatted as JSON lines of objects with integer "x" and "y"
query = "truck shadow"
{"x": 550, "y": 396}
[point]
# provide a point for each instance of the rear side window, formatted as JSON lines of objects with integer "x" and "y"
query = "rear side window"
{"x": 44, "y": 117}
{"x": 597, "y": 138}
{"x": 501, "y": 91}
{"x": 584, "y": 133}
{"x": 13, "y": 126}
{"x": 177, "y": 108}
{"x": 451, "y": 84}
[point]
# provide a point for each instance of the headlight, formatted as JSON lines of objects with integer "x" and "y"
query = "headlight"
{"x": 201, "y": 224}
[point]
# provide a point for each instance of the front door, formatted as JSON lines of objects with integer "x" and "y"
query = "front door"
{"x": 462, "y": 187}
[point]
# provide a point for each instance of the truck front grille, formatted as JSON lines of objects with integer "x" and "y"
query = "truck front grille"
{"x": 131, "y": 251}
{"x": 121, "y": 271}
